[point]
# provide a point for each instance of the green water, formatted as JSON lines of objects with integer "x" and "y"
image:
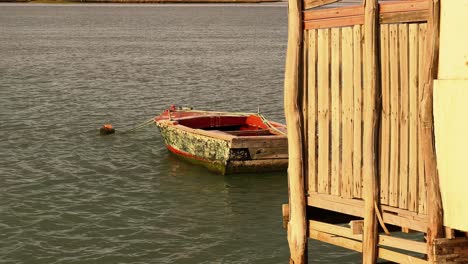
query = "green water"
{"x": 68, "y": 195}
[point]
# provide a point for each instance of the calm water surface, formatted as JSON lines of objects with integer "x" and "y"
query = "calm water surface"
{"x": 68, "y": 195}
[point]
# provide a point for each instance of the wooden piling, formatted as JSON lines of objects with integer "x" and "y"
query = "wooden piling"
{"x": 435, "y": 213}
{"x": 371, "y": 192}
{"x": 297, "y": 228}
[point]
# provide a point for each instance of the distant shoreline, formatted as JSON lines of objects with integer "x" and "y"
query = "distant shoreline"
{"x": 139, "y": 1}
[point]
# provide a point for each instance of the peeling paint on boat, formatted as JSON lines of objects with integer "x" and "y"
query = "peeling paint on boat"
{"x": 223, "y": 151}
{"x": 207, "y": 151}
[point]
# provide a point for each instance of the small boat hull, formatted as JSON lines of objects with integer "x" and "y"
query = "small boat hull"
{"x": 224, "y": 152}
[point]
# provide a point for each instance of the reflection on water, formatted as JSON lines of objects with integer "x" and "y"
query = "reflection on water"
{"x": 68, "y": 195}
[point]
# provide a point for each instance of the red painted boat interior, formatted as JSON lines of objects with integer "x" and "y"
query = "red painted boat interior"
{"x": 224, "y": 123}
{"x": 239, "y": 125}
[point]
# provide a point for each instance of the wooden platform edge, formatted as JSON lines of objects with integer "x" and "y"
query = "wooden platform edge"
{"x": 451, "y": 250}
{"x": 354, "y": 207}
{"x": 357, "y": 246}
{"x": 384, "y": 240}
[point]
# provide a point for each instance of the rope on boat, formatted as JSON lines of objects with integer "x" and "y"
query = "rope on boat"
{"x": 140, "y": 126}
{"x": 266, "y": 122}
{"x": 108, "y": 129}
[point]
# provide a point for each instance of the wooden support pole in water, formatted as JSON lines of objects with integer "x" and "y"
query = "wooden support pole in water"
{"x": 370, "y": 177}
{"x": 434, "y": 200}
{"x": 297, "y": 225}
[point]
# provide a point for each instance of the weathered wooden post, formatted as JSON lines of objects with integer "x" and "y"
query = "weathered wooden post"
{"x": 370, "y": 177}
{"x": 434, "y": 200}
{"x": 297, "y": 228}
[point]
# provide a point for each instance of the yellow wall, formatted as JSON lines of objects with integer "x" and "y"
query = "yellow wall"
{"x": 453, "y": 56}
{"x": 451, "y": 113}
{"x": 451, "y": 131}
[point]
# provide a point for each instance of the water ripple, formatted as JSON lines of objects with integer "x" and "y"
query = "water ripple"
{"x": 68, "y": 195}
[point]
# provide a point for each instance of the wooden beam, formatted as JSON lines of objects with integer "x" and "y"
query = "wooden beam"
{"x": 357, "y": 246}
{"x": 389, "y": 12}
{"x": 390, "y": 215}
{"x": 398, "y": 6}
{"x": 384, "y": 240}
{"x": 358, "y": 10}
{"x": 334, "y": 22}
{"x": 297, "y": 226}
{"x": 334, "y": 13}
{"x": 370, "y": 175}
{"x": 312, "y": 110}
{"x": 399, "y": 257}
{"x": 451, "y": 250}
{"x": 333, "y": 230}
{"x": 404, "y": 17}
{"x": 336, "y": 240}
{"x": 323, "y": 114}
{"x": 356, "y": 227}
{"x": 434, "y": 200}
{"x": 384, "y": 18}
{"x": 449, "y": 232}
{"x": 405, "y": 244}
{"x": 315, "y": 3}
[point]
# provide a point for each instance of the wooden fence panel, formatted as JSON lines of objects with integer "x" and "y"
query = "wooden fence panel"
{"x": 334, "y": 105}
{"x": 334, "y": 92}
{"x": 401, "y": 172}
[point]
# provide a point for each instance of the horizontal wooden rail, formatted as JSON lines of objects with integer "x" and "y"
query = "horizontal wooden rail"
{"x": 357, "y": 246}
{"x": 355, "y": 207}
{"x": 384, "y": 240}
{"x": 390, "y": 12}
{"x": 315, "y": 3}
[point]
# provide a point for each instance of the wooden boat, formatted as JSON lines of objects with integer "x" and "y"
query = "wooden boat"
{"x": 225, "y": 142}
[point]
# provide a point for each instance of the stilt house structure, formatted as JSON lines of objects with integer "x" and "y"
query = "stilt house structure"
{"x": 363, "y": 84}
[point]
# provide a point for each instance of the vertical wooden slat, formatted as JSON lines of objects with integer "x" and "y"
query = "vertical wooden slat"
{"x": 305, "y": 114}
{"x": 413, "y": 117}
{"x": 335, "y": 110}
{"x": 394, "y": 115}
{"x": 323, "y": 110}
{"x": 357, "y": 128}
{"x": 404, "y": 110}
{"x": 312, "y": 109}
{"x": 297, "y": 228}
{"x": 422, "y": 207}
{"x": 347, "y": 111}
{"x": 370, "y": 115}
{"x": 385, "y": 127}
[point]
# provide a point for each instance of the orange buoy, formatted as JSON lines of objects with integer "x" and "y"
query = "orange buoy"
{"x": 106, "y": 129}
